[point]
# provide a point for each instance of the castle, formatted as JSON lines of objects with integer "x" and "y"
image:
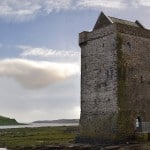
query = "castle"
{"x": 115, "y": 80}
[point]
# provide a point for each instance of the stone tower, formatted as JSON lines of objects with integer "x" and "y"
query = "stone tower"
{"x": 115, "y": 79}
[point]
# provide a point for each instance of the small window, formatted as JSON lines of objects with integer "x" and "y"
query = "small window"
{"x": 107, "y": 74}
{"x": 141, "y": 78}
{"x": 129, "y": 45}
{"x": 111, "y": 73}
{"x": 108, "y": 99}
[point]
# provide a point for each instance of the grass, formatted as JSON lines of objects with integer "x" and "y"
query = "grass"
{"x": 8, "y": 121}
{"x": 34, "y": 137}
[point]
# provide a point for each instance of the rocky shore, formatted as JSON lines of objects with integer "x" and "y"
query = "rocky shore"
{"x": 145, "y": 146}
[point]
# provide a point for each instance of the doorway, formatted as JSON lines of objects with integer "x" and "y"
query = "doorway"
{"x": 138, "y": 124}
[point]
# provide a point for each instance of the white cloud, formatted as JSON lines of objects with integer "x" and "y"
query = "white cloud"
{"x": 144, "y": 2}
{"x": 101, "y": 3}
{"x": 57, "y": 5}
{"x": 61, "y": 55}
{"x": 37, "y": 74}
{"x": 60, "y": 100}
{"x": 20, "y": 10}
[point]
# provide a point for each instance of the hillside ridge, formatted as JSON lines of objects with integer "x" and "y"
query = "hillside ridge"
{"x": 7, "y": 121}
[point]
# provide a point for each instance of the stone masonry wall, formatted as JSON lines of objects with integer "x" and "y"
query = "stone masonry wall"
{"x": 136, "y": 31}
{"x": 115, "y": 81}
{"x": 99, "y": 84}
{"x": 133, "y": 83}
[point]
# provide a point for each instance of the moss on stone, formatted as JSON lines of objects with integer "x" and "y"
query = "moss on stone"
{"x": 124, "y": 126}
{"x": 141, "y": 137}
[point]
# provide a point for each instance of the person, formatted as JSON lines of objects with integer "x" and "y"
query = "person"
{"x": 137, "y": 124}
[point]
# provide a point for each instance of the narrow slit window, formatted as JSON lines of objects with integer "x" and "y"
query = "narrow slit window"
{"x": 129, "y": 45}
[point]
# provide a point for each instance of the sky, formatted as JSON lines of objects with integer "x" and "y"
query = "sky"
{"x": 40, "y": 56}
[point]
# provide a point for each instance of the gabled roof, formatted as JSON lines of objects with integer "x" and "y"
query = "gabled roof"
{"x": 104, "y": 21}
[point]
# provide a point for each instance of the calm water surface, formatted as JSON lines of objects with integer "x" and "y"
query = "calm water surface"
{"x": 33, "y": 125}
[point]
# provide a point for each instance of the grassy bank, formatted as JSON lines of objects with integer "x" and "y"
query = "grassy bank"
{"x": 44, "y": 137}
{"x": 7, "y": 121}
{"x": 33, "y": 137}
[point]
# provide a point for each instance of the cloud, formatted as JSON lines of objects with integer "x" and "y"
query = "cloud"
{"x": 144, "y": 2}
{"x": 21, "y": 10}
{"x": 60, "y": 100}
{"x": 18, "y": 10}
{"x": 57, "y": 5}
{"x": 60, "y": 55}
{"x": 101, "y": 3}
{"x": 37, "y": 74}
{"x": 139, "y": 4}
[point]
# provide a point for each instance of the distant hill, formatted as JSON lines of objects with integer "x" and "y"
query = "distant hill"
{"x": 7, "y": 121}
{"x": 58, "y": 121}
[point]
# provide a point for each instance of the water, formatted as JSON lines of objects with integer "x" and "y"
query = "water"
{"x": 34, "y": 125}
